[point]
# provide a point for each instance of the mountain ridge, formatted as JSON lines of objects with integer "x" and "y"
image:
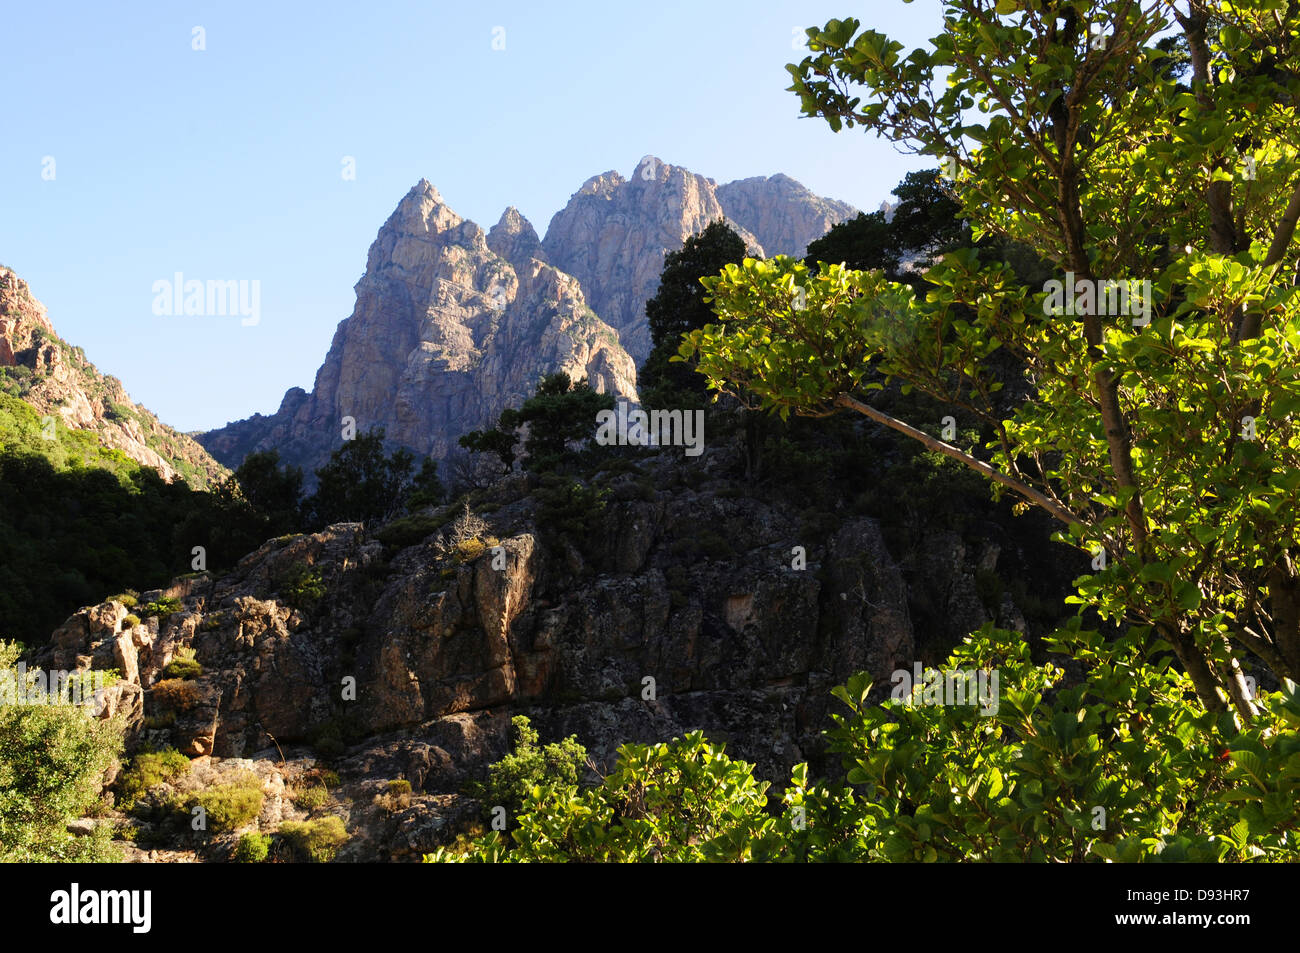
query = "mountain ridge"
{"x": 57, "y": 380}
{"x": 432, "y": 363}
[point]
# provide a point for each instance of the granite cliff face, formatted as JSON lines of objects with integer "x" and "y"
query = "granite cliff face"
{"x": 56, "y": 379}
{"x": 614, "y": 233}
{"x": 451, "y": 325}
{"x": 781, "y": 213}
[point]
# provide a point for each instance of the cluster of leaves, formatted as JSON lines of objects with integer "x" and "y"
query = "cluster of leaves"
{"x": 1119, "y": 766}
{"x": 302, "y": 586}
{"x": 226, "y": 807}
{"x": 252, "y": 848}
{"x": 52, "y": 761}
{"x": 529, "y": 764}
{"x": 684, "y": 801}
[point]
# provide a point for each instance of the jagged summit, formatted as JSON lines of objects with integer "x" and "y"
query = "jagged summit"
{"x": 514, "y": 238}
{"x": 614, "y": 232}
{"x": 452, "y": 324}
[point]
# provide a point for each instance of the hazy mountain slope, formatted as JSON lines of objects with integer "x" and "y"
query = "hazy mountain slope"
{"x": 57, "y": 380}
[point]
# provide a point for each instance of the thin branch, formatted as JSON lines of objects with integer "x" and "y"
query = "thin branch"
{"x": 948, "y": 450}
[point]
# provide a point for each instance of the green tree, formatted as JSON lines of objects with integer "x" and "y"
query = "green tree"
{"x": 562, "y": 413}
{"x": 426, "y": 488}
{"x": 361, "y": 483}
{"x": 679, "y": 802}
{"x": 679, "y": 307}
{"x": 501, "y": 441}
{"x": 52, "y": 762}
{"x": 1159, "y": 432}
{"x": 529, "y": 764}
{"x": 274, "y": 490}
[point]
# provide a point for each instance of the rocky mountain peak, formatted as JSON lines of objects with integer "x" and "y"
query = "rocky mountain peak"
{"x": 614, "y": 232}
{"x": 604, "y": 184}
{"x": 783, "y": 214}
{"x": 451, "y": 326}
{"x": 514, "y": 239}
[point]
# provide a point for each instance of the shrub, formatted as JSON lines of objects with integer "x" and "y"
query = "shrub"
{"x": 408, "y": 530}
{"x": 128, "y": 598}
{"x": 252, "y": 848}
{"x": 318, "y": 841}
{"x": 52, "y": 762}
{"x": 510, "y": 779}
{"x": 682, "y": 801}
{"x": 327, "y": 738}
{"x": 131, "y": 621}
{"x": 161, "y": 607}
{"x": 302, "y": 587}
{"x": 398, "y": 796}
{"x": 229, "y": 806}
{"x": 176, "y": 694}
{"x": 325, "y": 776}
{"x": 148, "y": 769}
{"x": 182, "y": 669}
{"x": 161, "y": 720}
{"x": 310, "y": 798}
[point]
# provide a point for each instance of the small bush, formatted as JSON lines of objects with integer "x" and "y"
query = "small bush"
{"x": 162, "y": 720}
{"x": 409, "y": 530}
{"x": 148, "y": 769}
{"x": 229, "y": 806}
{"x": 327, "y": 739}
{"x": 308, "y": 799}
{"x": 128, "y": 598}
{"x": 470, "y": 549}
{"x": 252, "y": 848}
{"x": 325, "y": 776}
{"x": 302, "y": 587}
{"x": 161, "y": 608}
{"x": 397, "y": 798}
{"x": 319, "y": 840}
{"x": 511, "y": 778}
{"x": 182, "y": 668}
{"x": 176, "y": 694}
{"x": 131, "y": 621}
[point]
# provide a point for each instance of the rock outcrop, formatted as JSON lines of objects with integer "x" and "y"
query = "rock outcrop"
{"x": 413, "y": 662}
{"x": 614, "y": 232}
{"x": 781, "y": 213}
{"x": 450, "y": 327}
{"x": 56, "y": 379}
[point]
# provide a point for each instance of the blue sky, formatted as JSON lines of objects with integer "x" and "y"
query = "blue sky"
{"x": 226, "y": 163}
